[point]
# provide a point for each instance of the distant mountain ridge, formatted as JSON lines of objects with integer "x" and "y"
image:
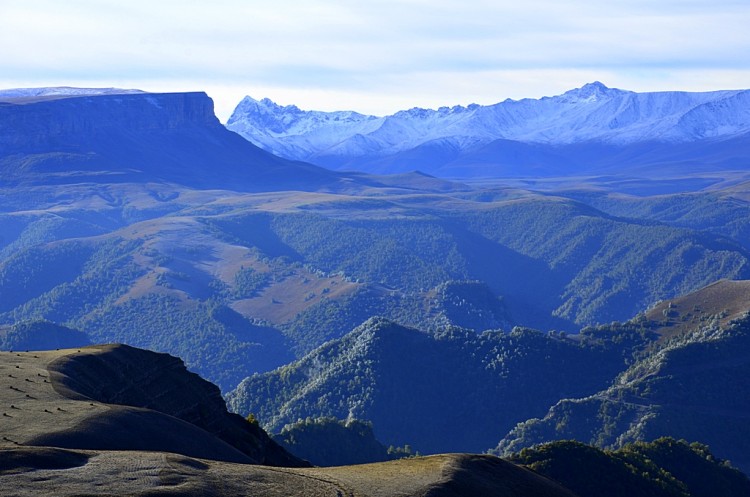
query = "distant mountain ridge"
{"x": 61, "y": 91}
{"x": 531, "y": 134}
{"x": 74, "y": 135}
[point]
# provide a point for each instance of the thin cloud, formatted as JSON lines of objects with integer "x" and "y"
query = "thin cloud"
{"x": 441, "y": 51}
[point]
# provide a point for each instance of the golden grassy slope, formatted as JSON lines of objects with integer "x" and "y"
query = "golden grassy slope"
{"x": 45, "y": 471}
{"x": 37, "y": 410}
{"x": 722, "y": 301}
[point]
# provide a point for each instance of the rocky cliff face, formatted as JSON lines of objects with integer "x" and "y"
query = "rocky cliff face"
{"x": 43, "y": 122}
{"x": 173, "y": 137}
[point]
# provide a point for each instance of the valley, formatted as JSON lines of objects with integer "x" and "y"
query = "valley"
{"x": 596, "y": 291}
{"x": 270, "y": 275}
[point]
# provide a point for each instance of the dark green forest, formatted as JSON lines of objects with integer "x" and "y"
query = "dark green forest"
{"x": 449, "y": 391}
{"x": 693, "y": 386}
{"x": 663, "y": 468}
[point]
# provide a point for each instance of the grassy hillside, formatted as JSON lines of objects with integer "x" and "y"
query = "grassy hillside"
{"x": 145, "y": 474}
{"x": 117, "y": 397}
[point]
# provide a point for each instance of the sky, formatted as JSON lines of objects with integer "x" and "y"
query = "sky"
{"x": 375, "y": 57}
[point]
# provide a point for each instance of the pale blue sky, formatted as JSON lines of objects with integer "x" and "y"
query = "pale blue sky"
{"x": 375, "y": 57}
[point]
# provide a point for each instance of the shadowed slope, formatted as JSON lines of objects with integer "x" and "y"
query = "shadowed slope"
{"x": 663, "y": 468}
{"x": 121, "y": 398}
{"x": 161, "y": 383}
{"x": 20, "y": 460}
{"x": 129, "y": 428}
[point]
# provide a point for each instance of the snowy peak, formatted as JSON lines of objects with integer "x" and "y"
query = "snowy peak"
{"x": 61, "y": 91}
{"x": 291, "y": 132}
{"x": 591, "y": 92}
{"x": 289, "y": 118}
{"x": 266, "y": 113}
{"x": 593, "y": 113}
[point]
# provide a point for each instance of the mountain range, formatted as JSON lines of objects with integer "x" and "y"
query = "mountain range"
{"x": 238, "y": 274}
{"x": 589, "y": 129}
{"x": 456, "y": 390}
{"x": 370, "y": 310}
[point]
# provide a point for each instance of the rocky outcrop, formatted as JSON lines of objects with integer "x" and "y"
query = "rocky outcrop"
{"x": 173, "y": 137}
{"x": 44, "y": 122}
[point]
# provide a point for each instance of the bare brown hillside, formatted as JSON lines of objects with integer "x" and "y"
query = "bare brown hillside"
{"x": 722, "y": 301}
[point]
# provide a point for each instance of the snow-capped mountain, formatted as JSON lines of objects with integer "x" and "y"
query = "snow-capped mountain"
{"x": 291, "y": 132}
{"x": 60, "y": 91}
{"x": 432, "y": 139}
